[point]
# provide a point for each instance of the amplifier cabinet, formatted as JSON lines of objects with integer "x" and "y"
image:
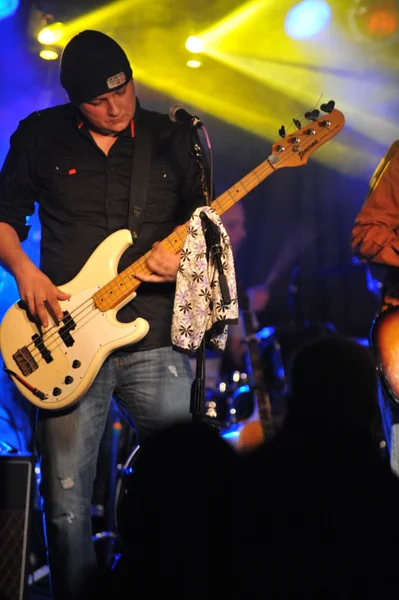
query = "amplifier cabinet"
{"x": 17, "y": 477}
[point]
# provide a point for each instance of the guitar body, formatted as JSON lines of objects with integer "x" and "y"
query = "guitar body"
{"x": 385, "y": 346}
{"x": 95, "y": 335}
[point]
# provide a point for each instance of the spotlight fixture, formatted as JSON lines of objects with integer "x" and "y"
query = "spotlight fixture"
{"x": 194, "y": 44}
{"x": 49, "y": 53}
{"x": 375, "y": 21}
{"x": 307, "y": 18}
{"x": 8, "y": 8}
{"x": 51, "y": 34}
{"x": 194, "y": 64}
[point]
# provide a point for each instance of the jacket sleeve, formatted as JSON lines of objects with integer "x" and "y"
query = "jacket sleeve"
{"x": 375, "y": 234}
{"x": 17, "y": 188}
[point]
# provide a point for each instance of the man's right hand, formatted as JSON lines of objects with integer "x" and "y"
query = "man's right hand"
{"x": 39, "y": 293}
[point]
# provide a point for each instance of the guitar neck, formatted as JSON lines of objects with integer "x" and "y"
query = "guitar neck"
{"x": 260, "y": 389}
{"x": 124, "y": 284}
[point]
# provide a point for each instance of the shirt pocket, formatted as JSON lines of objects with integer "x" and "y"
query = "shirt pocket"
{"x": 163, "y": 174}
{"x": 163, "y": 192}
{"x": 70, "y": 184}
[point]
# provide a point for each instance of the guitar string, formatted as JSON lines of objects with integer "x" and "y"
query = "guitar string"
{"x": 78, "y": 317}
{"x": 55, "y": 336}
{"x": 141, "y": 267}
{"x": 50, "y": 333}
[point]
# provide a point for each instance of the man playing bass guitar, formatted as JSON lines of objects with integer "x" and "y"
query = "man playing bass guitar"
{"x": 75, "y": 161}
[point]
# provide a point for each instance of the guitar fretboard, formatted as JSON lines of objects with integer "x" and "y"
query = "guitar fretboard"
{"x": 124, "y": 284}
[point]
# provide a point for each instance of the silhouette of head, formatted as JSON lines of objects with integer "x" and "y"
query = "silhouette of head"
{"x": 333, "y": 378}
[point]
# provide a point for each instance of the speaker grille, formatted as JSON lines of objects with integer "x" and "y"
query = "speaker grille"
{"x": 16, "y": 476}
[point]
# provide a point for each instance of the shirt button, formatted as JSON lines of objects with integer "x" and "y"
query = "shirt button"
{"x": 111, "y": 169}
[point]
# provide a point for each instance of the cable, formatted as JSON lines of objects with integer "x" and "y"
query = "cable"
{"x": 210, "y": 159}
{"x": 13, "y": 425}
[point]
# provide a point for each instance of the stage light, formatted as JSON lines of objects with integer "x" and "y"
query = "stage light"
{"x": 49, "y": 54}
{"x": 375, "y": 20}
{"x": 51, "y": 34}
{"x": 194, "y": 44}
{"x": 194, "y": 64}
{"x": 8, "y": 8}
{"x": 308, "y": 18}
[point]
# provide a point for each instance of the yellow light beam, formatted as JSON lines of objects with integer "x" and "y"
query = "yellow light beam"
{"x": 232, "y": 21}
{"x": 104, "y": 17}
{"x": 308, "y": 85}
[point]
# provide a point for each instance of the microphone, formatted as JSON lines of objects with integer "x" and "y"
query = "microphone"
{"x": 179, "y": 113}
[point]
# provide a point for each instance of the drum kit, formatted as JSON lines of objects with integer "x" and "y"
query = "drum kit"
{"x": 234, "y": 399}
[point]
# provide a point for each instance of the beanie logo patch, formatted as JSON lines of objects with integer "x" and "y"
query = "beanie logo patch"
{"x": 116, "y": 80}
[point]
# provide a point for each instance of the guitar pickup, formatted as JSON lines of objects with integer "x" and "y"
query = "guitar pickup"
{"x": 25, "y": 361}
{"x": 23, "y": 306}
{"x": 46, "y": 354}
{"x": 64, "y": 332}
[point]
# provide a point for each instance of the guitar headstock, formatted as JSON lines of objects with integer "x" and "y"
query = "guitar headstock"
{"x": 295, "y": 149}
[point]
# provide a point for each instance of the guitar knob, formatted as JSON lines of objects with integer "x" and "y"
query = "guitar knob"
{"x": 57, "y": 391}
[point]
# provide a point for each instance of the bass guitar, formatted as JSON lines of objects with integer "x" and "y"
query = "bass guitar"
{"x": 54, "y": 366}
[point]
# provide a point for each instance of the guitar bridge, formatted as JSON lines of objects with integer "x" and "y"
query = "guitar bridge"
{"x": 25, "y": 361}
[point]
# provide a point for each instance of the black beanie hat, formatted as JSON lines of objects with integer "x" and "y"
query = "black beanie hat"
{"x": 93, "y": 64}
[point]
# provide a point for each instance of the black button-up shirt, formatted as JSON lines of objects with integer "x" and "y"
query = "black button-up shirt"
{"x": 83, "y": 196}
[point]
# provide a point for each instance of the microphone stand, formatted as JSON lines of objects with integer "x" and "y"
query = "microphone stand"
{"x": 214, "y": 252}
{"x": 214, "y": 249}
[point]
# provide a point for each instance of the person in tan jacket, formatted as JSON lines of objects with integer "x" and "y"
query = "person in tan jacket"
{"x": 375, "y": 240}
{"x": 375, "y": 233}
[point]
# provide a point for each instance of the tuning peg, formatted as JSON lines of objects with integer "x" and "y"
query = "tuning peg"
{"x": 297, "y": 123}
{"x": 312, "y": 115}
{"x": 328, "y": 107}
{"x": 281, "y": 131}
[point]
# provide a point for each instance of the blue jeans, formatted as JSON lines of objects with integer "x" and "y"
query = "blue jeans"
{"x": 153, "y": 387}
